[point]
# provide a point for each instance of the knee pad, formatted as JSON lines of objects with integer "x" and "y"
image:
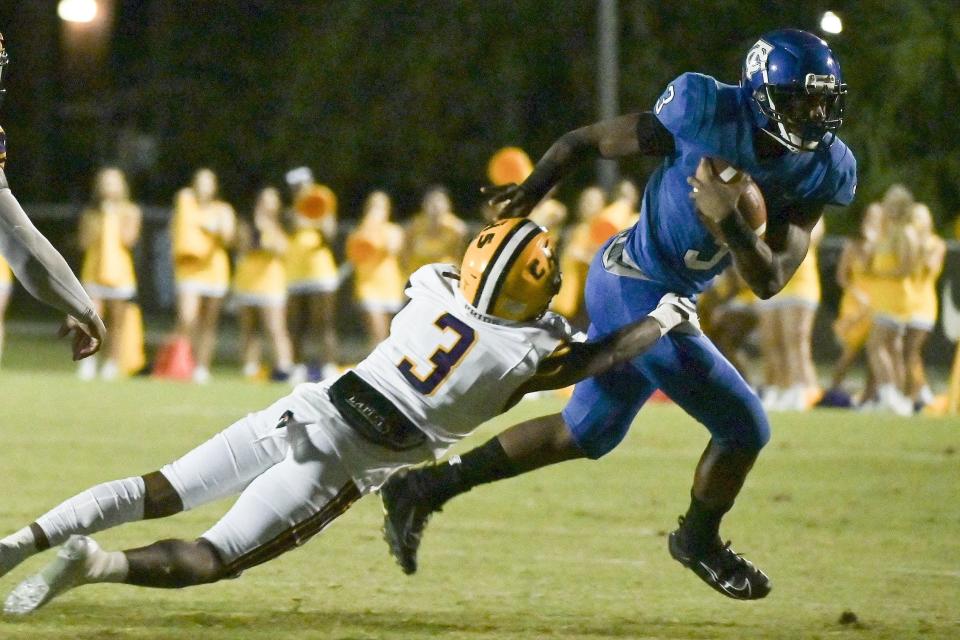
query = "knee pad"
{"x": 746, "y": 427}
{"x": 595, "y": 433}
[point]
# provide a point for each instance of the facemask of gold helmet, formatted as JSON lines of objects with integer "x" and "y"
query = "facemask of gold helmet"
{"x": 510, "y": 270}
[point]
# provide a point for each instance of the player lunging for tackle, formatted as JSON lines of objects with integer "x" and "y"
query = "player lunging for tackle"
{"x": 779, "y": 126}
{"x": 466, "y": 347}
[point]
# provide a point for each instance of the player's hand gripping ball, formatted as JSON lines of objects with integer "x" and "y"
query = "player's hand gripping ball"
{"x": 718, "y": 189}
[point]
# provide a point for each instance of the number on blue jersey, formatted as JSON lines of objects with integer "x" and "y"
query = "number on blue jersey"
{"x": 665, "y": 99}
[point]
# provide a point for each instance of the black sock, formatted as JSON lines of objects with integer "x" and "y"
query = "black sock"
{"x": 701, "y": 526}
{"x": 487, "y": 463}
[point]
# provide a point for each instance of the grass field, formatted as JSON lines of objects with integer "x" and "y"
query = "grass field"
{"x": 845, "y": 512}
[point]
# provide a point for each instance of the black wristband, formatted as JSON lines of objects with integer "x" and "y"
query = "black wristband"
{"x": 737, "y": 233}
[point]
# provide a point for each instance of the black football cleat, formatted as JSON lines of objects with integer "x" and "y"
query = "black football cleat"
{"x": 405, "y": 515}
{"x": 723, "y": 569}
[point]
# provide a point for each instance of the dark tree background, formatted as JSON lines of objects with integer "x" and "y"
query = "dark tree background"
{"x": 403, "y": 93}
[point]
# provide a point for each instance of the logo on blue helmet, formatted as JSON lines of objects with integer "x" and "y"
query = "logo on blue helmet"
{"x": 795, "y": 88}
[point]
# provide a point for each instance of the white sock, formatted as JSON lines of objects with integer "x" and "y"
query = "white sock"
{"x": 16, "y": 548}
{"x": 101, "y": 507}
{"x": 107, "y": 566}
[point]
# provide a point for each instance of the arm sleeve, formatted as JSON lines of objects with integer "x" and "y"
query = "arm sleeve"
{"x": 38, "y": 266}
{"x": 687, "y": 107}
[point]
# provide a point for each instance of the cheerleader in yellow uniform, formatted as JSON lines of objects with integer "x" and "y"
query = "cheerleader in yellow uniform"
{"x": 855, "y": 315}
{"x": 923, "y": 302}
{"x": 108, "y": 232}
{"x": 312, "y": 276}
{"x": 373, "y": 249}
{"x": 578, "y": 252}
{"x": 6, "y": 287}
{"x": 435, "y": 234}
{"x": 730, "y": 309}
{"x": 891, "y": 266}
{"x": 551, "y": 214}
{"x": 260, "y": 286}
{"x": 203, "y": 229}
{"x": 620, "y": 214}
{"x": 786, "y": 333}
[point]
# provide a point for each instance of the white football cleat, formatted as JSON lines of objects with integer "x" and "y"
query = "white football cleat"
{"x": 67, "y": 571}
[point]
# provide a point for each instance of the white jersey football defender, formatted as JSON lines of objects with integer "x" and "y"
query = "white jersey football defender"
{"x": 449, "y": 365}
{"x": 445, "y": 368}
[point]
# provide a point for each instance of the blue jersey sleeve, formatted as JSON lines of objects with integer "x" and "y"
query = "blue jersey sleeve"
{"x": 844, "y": 170}
{"x": 687, "y": 108}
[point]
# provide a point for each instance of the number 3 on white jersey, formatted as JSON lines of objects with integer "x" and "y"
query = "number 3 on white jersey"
{"x": 444, "y": 359}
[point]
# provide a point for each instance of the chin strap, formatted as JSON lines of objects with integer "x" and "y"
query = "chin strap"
{"x": 790, "y": 146}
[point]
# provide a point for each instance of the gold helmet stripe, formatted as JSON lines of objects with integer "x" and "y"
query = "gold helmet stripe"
{"x": 493, "y": 277}
{"x": 475, "y": 300}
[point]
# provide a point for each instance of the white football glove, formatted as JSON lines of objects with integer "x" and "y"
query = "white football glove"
{"x": 676, "y": 312}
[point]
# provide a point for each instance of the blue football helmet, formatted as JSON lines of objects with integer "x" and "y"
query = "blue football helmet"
{"x": 795, "y": 88}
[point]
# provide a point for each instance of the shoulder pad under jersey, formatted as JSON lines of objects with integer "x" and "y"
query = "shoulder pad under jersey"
{"x": 688, "y": 105}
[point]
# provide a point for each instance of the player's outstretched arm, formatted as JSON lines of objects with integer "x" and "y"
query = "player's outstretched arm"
{"x": 613, "y": 138}
{"x": 46, "y": 276}
{"x": 765, "y": 264}
{"x": 579, "y": 360}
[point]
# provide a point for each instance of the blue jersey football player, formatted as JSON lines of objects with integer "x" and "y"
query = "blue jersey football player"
{"x": 779, "y": 126}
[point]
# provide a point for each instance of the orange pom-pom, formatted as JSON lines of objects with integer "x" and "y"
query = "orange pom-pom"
{"x": 509, "y": 165}
{"x": 360, "y": 250}
{"x": 316, "y": 202}
{"x": 601, "y": 230}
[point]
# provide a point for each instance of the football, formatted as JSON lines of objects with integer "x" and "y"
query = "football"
{"x": 751, "y": 204}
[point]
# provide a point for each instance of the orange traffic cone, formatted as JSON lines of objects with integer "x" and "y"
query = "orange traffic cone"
{"x": 175, "y": 360}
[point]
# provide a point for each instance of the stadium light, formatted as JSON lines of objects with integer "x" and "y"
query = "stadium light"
{"x": 82, "y": 11}
{"x": 831, "y": 23}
